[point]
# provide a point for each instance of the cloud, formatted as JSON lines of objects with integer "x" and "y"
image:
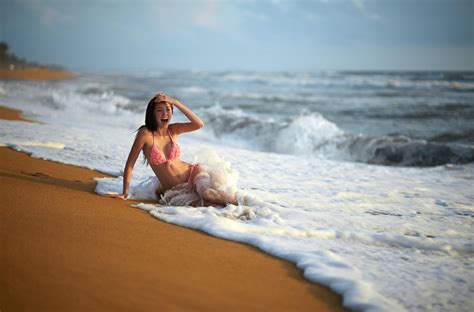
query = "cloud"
{"x": 206, "y": 14}
{"x": 359, "y": 4}
{"x": 47, "y": 14}
{"x": 175, "y": 15}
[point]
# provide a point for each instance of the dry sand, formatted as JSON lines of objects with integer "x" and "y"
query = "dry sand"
{"x": 64, "y": 248}
{"x": 35, "y": 73}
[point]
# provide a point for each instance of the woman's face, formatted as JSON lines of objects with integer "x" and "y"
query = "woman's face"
{"x": 163, "y": 113}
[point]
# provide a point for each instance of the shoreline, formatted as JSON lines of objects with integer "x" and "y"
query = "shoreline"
{"x": 7, "y": 113}
{"x": 66, "y": 248}
{"x": 35, "y": 73}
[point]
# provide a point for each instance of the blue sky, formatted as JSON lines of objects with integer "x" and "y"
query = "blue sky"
{"x": 242, "y": 34}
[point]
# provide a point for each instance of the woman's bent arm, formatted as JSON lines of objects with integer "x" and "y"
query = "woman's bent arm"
{"x": 196, "y": 122}
{"x": 132, "y": 158}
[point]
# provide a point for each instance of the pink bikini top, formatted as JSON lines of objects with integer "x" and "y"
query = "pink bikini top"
{"x": 157, "y": 157}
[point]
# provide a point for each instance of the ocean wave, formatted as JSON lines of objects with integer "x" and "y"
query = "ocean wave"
{"x": 409, "y": 81}
{"x": 251, "y": 131}
{"x": 280, "y": 78}
{"x": 464, "y": 136}
{"x": 314, "y": 135}
{"x": 458, "y": 76}
{"x": 309, "y": 134}
{"x": 191, "y": 90}
{"x": 403, "y": 151}
{"x": 395, "y": 80}
{"x": 265, "y": 98}
{"x": 422, "y": 111}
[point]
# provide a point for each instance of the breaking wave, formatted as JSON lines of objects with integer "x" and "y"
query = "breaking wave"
{"x": 313, "y": 135}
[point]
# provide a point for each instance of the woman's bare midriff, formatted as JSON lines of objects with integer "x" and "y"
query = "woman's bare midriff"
{"x": 172, "y": 174}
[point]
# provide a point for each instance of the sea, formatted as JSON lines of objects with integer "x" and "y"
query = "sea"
{"x": 364, "y": 180}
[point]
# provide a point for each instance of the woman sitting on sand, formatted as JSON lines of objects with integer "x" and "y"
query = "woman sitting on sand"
{"x": 157, "y": 140}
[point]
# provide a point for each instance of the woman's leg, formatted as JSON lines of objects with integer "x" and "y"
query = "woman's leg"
{"x": 202, "y": 185}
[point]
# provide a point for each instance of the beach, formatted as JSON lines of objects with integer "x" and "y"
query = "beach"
{"x": 35, "y": 73}
{"x": 343, "y": 129}
{"x": 362, "y": 187}
{"x": 66, "y": 248}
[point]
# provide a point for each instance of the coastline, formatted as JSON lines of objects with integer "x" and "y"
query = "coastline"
{"x": 7, "y": 113}
{"x": 35, "y": 73}
{"x": 66, "y": 248}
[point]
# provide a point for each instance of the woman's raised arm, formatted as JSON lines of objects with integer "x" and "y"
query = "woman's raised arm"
{"x": 178, "y": 128}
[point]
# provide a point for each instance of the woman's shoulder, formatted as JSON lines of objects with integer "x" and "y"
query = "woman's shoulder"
{"x": 175, "y": 129}
{"x": 143, "y": 133}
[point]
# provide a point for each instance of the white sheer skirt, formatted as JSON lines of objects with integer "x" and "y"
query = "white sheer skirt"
{"x": 187, "y": 194}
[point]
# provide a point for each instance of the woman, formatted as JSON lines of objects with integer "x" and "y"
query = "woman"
{"x": 157, "y": 140}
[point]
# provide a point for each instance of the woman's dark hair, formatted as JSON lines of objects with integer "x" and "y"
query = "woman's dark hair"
{"x": 150, "y": 120}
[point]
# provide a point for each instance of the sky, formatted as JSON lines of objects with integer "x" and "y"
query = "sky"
{"x": 268, "y": 35}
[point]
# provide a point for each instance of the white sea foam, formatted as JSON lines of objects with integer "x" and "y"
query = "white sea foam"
{"x": 31, "y": 143}
{"x": 386, "y": 238}
{"x": 307, "y": 135}
{"x": 191, "y": 90}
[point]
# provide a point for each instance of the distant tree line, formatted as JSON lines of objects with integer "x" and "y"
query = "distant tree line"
{"x": 11, "y": 61}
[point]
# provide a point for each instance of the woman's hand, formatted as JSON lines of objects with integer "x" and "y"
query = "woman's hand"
{"x": 117, "y": 196}
{"x": 165, "y": 98}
